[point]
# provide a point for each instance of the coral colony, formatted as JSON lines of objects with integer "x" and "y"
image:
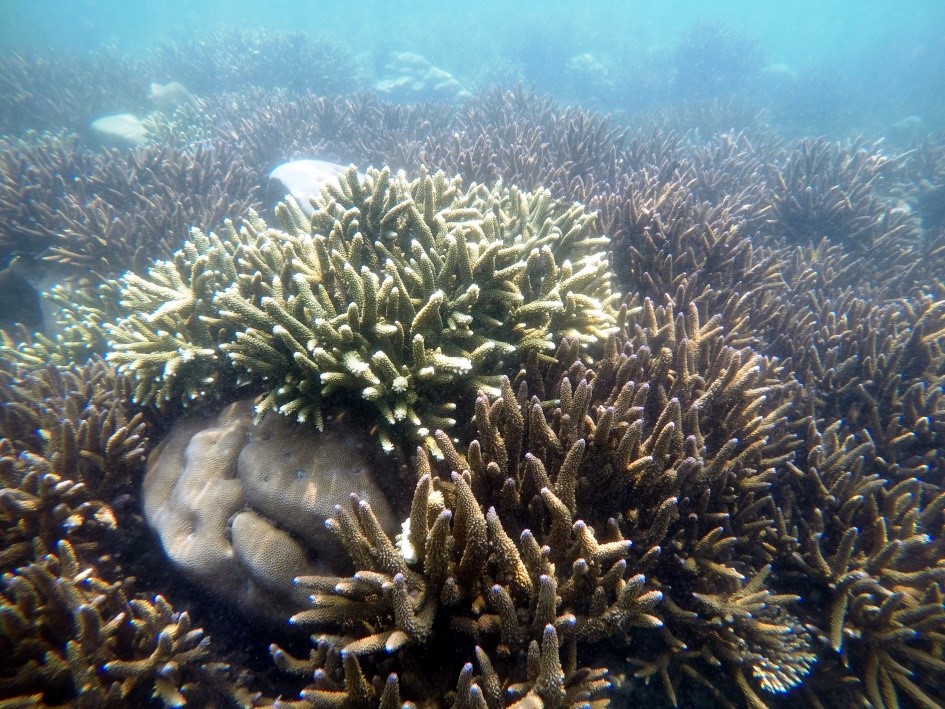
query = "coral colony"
{"x": 522, "y": 409}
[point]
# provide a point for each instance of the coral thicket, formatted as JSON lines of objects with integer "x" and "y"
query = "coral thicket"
{"x": 669, "y": 406}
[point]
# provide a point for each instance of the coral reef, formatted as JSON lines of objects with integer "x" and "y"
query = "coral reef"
{"x": 68, "y": 635}
{"x": 411, "y": 77}
{"x": 826, "y": 191}
{"x": 409, "y": 295}
{"x": 725, "y": 487}
{"x": 113, "y": 211}
{"x": 64, "y": 92}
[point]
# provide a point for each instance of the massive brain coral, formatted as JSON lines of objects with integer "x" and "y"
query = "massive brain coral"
{"x": 240, "y": 508}
{"x": 410, "y": 295}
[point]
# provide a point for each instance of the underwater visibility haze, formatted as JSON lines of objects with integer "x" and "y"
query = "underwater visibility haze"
{"x": 472, "y": 355}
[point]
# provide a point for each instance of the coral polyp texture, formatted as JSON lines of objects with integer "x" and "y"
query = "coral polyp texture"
{"x": 407, "y": 295}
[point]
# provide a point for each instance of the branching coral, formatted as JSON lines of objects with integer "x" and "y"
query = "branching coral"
{"x": 38, "y": 508}
{"x": 666, "y": 242}
{"x": 112, "y": 211}
{"x": 68, "y": 635}
{"x": 67, "y": 445}
{"x": 235, "y": 59}
{"x": 609, "y": 516}
{"x": 873, "y": 548}
{"x": 408, "y": 295}
{"x": 878, "y": 369}
{"x": 738, "y": 496}
{"x": 830, "y": 191}
{"x": 65, "y": 91}
{"x": 79, "y": 419}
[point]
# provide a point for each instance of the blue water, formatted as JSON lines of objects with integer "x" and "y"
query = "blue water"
{"x": 885, "y": 60}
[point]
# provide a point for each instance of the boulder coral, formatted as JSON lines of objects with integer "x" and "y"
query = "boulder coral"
{"x": 240, "y": 509}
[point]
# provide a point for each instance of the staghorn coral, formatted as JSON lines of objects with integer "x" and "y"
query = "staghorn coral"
{"x": 38, "y": 508}
{"x": 828, "y": 190}
{"x": 666, "y": 242}
{"x": 68, "y": 445}
{"x": 68, "y": 635}
{"x": 33, "y": 177}
{"x": 169, "y": 190}
{"x": 115, "y": 210}
{"x": 873, "y": 549}
{"x": 455, "y": 536}
{"x": 79, "y": 419}
{"x": 610, "y": 516}
{"x": 65, "y": 91}
{"x": 234, "y": 59}
{"x": 848, "y": 513}
{"x": 877, "y": 369}
{"x": 528, "y": 140}
{"x": 408, "y": 295}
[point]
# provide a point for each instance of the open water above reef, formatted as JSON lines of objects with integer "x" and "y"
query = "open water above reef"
{"x": 656, "y": 380}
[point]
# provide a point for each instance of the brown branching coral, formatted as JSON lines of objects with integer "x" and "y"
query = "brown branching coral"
{"x": 829, "y": 191}
{"x": 741, "y": 500}
{"x": 456, "y": 564}
{"x": 69, "y": 636}
{"x": 32, "y": 180}
{"x": 873, "y": 548}
{"x": 879, "y": 369}
{"x": 152, "y": 196}
{"x": 109, "y": 212}
{"x": 666, "y": 242}
{"x": 66, "y": 91}
{"x": 609, "y": 515}
{"x": 68, "y": 445}
{"x": 38, "y": 507}
{"x": 528, "y": 140}
{"x": 234, "y": 59}
{"x": 79, "y": 419}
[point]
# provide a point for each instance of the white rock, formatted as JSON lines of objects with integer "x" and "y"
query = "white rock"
{"x": 122, "y": 130}
{"x": 303, "y": 179}
{"x": 167, "y": 97}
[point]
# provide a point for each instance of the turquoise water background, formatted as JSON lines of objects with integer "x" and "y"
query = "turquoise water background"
{"x": 822, "y": 68}
{"x": 799, "y": 33}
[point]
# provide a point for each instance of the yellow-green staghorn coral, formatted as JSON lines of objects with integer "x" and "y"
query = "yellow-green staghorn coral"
{"x": 408, "y": 294}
